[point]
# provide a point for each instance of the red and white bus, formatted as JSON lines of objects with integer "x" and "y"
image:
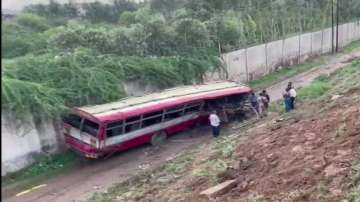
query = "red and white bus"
{"x": 100, "y": 130}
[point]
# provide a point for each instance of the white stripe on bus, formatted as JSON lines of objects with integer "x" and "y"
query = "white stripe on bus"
{"x": 84, "y": 137}
{"x": 158, "y": 127}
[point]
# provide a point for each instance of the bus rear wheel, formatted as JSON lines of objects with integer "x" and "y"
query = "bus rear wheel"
{"x": 158, "y": 138}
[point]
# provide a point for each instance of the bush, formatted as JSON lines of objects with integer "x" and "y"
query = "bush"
{"x": 18, "y": 40}
{"x": 48, "y": 84}
{"x": 21, "y": 96}
{"x": 127, "y": 18}
{"x": 33, "y": 22}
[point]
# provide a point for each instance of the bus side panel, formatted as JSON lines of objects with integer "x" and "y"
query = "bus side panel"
{"x": 146, "y": 138}
{"x": 203, "y": 119}
{"x": 182, "y": 126}
{"x": 129, "y": 144}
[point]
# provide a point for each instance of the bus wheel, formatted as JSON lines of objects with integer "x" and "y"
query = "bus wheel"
{"x": 158, "y": 138}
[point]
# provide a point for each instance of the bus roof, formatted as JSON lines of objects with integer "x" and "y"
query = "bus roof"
{"x": 173, "y": 96}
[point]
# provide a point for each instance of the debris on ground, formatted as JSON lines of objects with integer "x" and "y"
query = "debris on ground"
{"x": 220, "y": 188}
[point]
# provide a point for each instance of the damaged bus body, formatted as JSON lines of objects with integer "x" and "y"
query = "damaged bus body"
{"x": 100, "y": 130}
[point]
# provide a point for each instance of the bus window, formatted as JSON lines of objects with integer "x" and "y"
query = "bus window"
{"x": 132, "y": 124}
{"x": 192, "y": 109}
{"x": 114, "y": 129}
{"x": 221, "y": 101}
{"x": 90, "y": 127}
{"x": 73, "y": 120}
{"x": 131, "y": 127}
{"x": 234, "y": 99}
{"x": 174, "y": 113}
{"x": 152, "y": 118}
{"x": 132, "y": 119}
{"x": 210, "y": 105}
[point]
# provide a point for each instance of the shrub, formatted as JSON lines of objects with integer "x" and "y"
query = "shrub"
{"x": 33, "y": 22}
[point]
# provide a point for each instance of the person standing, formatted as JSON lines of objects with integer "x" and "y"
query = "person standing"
{"x": 254, "y": 102}
{"x": 287, "y": 101}
{"x": 261, "y": 106}
{"x": 292, "y": 94}
{"x": 215, "y": 123}
{"x": 265, "y": 98}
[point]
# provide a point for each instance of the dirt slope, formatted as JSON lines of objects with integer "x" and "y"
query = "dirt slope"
{"x": 300, "y": 159}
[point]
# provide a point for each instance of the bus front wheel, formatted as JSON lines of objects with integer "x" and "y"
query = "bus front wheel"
{"x": 158, "y": 138}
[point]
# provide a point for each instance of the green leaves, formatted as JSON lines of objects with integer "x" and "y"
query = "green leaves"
{"x": 33, "y": 22}
{"x": 20, "y": 39}
{"x": 20, "y": 95}
{"x": 51, "y": 83}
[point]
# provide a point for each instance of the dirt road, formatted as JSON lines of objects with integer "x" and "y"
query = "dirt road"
{"x": 80, "y": 184}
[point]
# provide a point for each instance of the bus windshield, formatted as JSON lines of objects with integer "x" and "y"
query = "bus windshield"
{"x": 87, "y": 126}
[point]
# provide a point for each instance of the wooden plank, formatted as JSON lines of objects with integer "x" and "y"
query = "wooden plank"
{"x": 220, "y": 188}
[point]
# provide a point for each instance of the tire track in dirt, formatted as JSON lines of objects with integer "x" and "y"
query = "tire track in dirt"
{"x": 79, "y": 184}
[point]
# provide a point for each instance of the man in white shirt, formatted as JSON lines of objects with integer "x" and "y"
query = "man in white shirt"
{"x": 215, "y": 123}
{"x": 292, "y": 93}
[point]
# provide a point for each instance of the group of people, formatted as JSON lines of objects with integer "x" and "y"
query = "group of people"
{"x": 289, "y": 97}
{"x": 259, "y": 104}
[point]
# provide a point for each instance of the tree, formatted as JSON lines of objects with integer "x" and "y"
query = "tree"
{"x": 166, "y": 7}
{"x": 33, "y": 22}
{"x": 97, "y": 12}
{"x": 192, "y": 34}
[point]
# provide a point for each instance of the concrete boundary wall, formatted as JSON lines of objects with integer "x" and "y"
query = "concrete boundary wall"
{"x": 23, "y": 141}
{"x": 316, "y": 43}
{"x": 236, "y": 61}
{"x": 273, "y": 55}
{"x": 254, "y": 62}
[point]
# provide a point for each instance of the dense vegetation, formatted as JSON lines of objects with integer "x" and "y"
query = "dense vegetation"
{"x": 60, "y": 55}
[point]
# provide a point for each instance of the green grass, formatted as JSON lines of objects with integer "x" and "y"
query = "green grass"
{"x": 277, "y": 107}
{"x": 354, "y": 195}
{"x": 353, "y": 46}
{"x": 325, "y": 86}
{"x": 38, "y": 172}
{"x": 314, "y": 90}
{"x": 284, "y": 74}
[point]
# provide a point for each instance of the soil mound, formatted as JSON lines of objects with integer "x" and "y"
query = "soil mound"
{"x": 309, "y": 159}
